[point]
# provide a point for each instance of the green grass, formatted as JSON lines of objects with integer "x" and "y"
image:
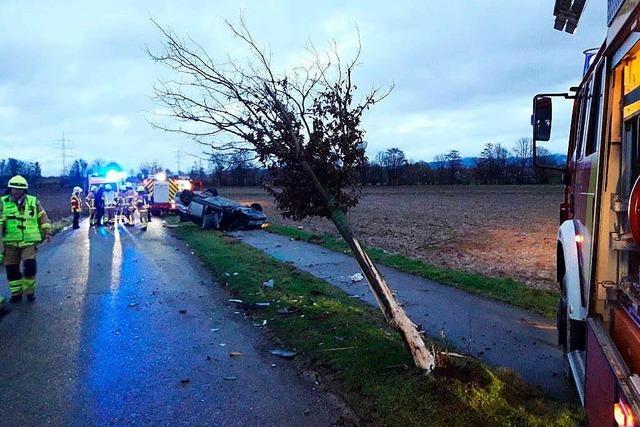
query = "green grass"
{"x": 360, "y": 357}
{"x": 499, "y": 288}
{"x": 58, "y": 226}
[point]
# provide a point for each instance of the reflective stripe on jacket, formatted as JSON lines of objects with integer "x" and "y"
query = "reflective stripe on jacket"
{"x": 75, "y": 204}
{"x": 21, "y": 227}
{"x": 90, "y": 200}
{"x": 109, "y": 198}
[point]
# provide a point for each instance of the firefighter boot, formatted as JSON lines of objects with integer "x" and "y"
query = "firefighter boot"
{"x": 15, "y": 287}
{"x": 29, "y": 288}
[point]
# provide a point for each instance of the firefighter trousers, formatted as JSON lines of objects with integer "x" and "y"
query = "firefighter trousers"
{"x": 21, "y": 280}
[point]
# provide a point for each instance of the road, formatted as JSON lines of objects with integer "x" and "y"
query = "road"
{"x": 497, "y": 333}
{"x": 129, "y": 329}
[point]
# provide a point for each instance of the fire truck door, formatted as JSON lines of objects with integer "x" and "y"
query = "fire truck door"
{"x": 589, "y": 135}
{"x": 161, "y": 192}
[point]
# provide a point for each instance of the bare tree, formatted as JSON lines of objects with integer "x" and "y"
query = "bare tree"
{"x": 523, "y": 153}
{"x": 219, "y": 164}
{"x": 440, "y": 164}
{"x": 150, "y": 168}
{"x": 454, "y": 164}
{"x": 78, "y": 172}
{"x": 394, "y": 161}
{"x": 304, "y": 126}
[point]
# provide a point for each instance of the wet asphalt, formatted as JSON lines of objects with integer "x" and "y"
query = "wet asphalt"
{"x": 129, "y": 329}
{"x": 496, "y": 333}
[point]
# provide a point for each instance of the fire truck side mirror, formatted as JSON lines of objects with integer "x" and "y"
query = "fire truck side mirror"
{"x": 541, "y": 119}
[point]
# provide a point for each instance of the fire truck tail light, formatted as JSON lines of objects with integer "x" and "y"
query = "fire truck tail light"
{"x": 579, "y": 238}
{"x": 623, "y": 415}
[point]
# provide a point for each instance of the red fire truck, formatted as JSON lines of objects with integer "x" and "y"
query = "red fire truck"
{"x": 598, "y": 250}
{"x": 162, "y": 191}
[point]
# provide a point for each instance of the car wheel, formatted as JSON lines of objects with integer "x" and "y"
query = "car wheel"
{"x": 186, "y": 197}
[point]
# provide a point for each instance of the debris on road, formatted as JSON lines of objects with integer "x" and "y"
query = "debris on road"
{"x": 358, "y": 277}
{"x": 215, "y": 329}
{"x": 182, "y": 311}
{"x": 231, "y": 378}
{"x": 285, "y": 354}
{"x": 269, "y": 283}
{"x": 339, "y": 349}
{"x": 184, "y": 381}
{"x": 262, "y": 304}
{"x": 133, "y": 304}
{"x": 235, "y": 353}
{"x": 250, "y": 306}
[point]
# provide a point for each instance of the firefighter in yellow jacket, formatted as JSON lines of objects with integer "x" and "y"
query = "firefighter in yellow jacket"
{"x": 23, "y": 223}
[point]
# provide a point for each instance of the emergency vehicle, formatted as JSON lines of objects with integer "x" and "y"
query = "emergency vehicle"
{"x": 114, "y": 178}
{"x": 162, "y": 191}
{"x": 598, "y": 246}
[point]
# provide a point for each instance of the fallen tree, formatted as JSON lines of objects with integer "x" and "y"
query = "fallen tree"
{"x": 304, "y": 126}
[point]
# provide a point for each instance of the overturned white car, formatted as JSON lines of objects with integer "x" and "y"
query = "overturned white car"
{"x": 210, "y": 210}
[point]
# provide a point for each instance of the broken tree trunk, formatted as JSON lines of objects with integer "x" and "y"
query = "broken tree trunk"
{"x": 393, "y": 312}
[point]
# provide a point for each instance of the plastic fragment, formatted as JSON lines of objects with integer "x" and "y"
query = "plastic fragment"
{"x": 285, "y": 354}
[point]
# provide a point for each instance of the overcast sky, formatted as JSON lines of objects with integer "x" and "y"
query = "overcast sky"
{"x": 464, "y": 71}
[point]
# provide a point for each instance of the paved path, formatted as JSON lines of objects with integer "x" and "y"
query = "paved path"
{"x": 105, "y": 343}
{"x": 496, "y": 333}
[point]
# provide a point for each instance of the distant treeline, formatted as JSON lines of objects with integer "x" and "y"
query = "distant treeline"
{"x": 495, "y": 164}
{"x": 11, "y": 167}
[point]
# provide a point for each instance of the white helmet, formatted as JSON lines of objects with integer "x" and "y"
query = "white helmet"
{"x": 141, "y": 189}
{"x": 128, "y": 185}
{"x": 94, "y": 188}
{"x": 77, "y": 189}
{"x": 107, "y": 187}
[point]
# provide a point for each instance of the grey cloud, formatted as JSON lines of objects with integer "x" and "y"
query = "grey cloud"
{"x": 464, "y": 71}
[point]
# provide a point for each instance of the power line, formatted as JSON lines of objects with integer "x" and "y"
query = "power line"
{"x": 64, "y": 148}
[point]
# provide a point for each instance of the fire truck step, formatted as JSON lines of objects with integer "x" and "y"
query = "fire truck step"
{"x": 576, "y": 364}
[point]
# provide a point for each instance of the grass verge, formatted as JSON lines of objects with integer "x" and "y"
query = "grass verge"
{"x": 498, "y": 288}
{"x": 58, "y": 226}
{"x": 362, "y": 358}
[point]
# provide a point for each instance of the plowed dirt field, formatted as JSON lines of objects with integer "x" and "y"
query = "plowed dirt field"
{"x": 506, "y": 231}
